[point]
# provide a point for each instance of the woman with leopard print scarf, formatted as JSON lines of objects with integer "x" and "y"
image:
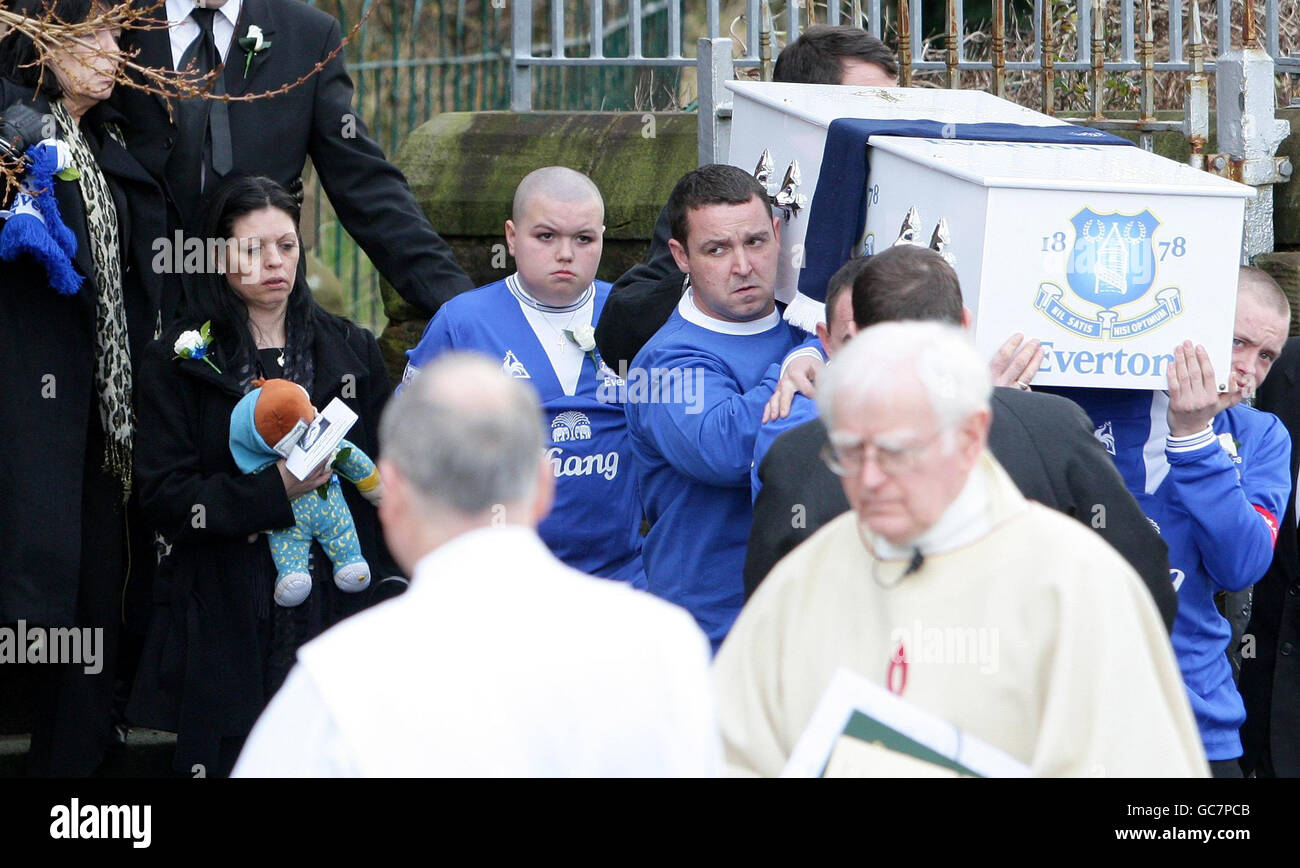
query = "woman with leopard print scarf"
{"x": 66, "y": 376}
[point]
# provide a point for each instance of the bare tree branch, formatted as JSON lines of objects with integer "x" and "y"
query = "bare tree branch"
{"x": 52, "y": 36}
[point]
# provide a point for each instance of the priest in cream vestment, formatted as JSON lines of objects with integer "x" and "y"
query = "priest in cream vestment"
{"x": 945, "y": 586}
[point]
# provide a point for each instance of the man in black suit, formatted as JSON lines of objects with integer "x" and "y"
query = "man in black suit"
{"x": 646, "y": 295}
{"x": 1045, "y": 442}
{"x": 204, "y": 140}
{"x": 1270, "y": 666}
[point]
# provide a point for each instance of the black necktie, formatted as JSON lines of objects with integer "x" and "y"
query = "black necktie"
{"x": 204, "y": 124}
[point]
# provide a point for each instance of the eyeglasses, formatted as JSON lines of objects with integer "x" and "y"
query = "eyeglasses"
{"x": 846, "y": 456}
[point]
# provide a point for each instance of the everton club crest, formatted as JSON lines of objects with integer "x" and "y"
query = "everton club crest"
{"x": 1112, "y": 269}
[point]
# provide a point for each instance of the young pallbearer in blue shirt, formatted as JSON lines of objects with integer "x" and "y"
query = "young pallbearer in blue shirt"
{"x": 1213, "y": 475}
{"x": 693, "y": 456}
{"x": 538, "y": 324}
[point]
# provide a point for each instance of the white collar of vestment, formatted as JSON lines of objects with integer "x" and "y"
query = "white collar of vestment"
{"x": 519, "y": 291}
{"x": 692, "y": 314}
{"x": 967, "y": 518}
{"x": 467, "y": 556}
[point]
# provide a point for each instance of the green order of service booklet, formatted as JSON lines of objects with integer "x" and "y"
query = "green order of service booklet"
{"x": 860, "y": 729}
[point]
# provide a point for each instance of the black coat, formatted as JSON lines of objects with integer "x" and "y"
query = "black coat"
{"x": 640, "y": 301}
{"x": 275, "y": 136}
{"x": 1270, "y": 680}
{"x": 217, "y": 645}
{"x": 47, "y": 359}
{"x": 1044, "y": 442}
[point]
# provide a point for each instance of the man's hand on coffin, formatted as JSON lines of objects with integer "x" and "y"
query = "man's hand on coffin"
{"x": 800, "y": 376}
{"x": 1016, "y": 362}
{"x": 1194, "y": 398}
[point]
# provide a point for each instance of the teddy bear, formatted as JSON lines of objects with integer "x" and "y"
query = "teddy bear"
{"x": 261, "y": 421}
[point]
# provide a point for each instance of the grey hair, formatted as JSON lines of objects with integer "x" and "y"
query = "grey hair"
{"x": 465, "y": 435}
{"x": 890, "y": 357}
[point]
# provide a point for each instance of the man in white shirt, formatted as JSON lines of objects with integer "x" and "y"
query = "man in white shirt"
{"x": 499, "y": 660}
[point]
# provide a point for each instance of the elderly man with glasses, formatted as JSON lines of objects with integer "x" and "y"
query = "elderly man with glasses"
{"x": 940, "y": 543}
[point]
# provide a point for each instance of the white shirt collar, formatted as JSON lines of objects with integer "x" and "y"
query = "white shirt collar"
{"x": 692, "y": 314}
{"x": 516, "y": 286}
{"x": 179, "y": 10}
{"x": 965, "y": 520}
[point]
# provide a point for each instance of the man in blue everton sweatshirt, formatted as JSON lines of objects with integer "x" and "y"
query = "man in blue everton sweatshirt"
{"x": 692, "y": 457}
{"x": 1214, "y": 476}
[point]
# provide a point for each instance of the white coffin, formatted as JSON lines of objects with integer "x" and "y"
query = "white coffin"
{"x": 1110, "y": 255}
{"x": 1001, "y": 201}
{"x": 790, "y": 121}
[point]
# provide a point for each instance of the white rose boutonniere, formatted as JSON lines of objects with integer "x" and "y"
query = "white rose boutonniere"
{"x": 194, "y": 344}
{"x": 187, "y": 343}
{"x": 584, "y": 338}
{"x": 253, "y": 43}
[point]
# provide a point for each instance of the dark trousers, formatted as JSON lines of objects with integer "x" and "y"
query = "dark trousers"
{"x": 73, "y": 723}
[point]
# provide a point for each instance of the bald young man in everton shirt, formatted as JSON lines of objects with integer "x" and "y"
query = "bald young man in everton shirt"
{"x": 537, "y": 323}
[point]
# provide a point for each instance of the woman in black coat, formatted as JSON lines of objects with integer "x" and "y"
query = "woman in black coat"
{"x": 66, "y": 375}
{"x": 218, "y": 646}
